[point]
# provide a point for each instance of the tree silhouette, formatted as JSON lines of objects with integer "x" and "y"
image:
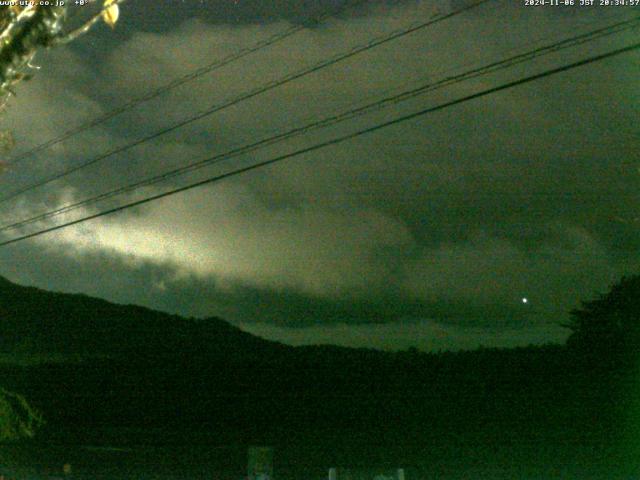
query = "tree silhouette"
{"x": 609, "y": 326}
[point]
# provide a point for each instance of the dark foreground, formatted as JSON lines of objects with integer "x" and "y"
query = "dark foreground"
{"x": 456, "y": 460}
{"x": 123, "y": 398}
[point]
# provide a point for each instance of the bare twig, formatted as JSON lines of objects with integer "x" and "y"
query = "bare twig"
{"x": 26, "y": 30}
{"x": 73, "y": 35}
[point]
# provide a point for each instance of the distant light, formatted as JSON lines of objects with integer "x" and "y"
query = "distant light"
{"x": 525, "y": 300}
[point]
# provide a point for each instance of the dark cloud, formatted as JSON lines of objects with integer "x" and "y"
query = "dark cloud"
{"x": 451, "y": 219}
{"x": 158, "y": 15}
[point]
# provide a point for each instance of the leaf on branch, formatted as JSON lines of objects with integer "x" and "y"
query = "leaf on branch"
{"x": 111, "y": 13}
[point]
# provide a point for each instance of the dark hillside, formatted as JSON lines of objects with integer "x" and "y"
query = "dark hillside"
{"x": 162, "y": 379}
{"x": 34, "y": 321}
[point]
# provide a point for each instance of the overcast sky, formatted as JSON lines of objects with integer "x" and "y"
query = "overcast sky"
{"x": 428, "y": 233}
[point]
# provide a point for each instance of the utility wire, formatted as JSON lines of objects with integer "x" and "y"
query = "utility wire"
{"x": 335, "y": 141}
{"x": 348, "y": 115}
{"x": 248, "y": 95}
{"x": 216, "y": 65}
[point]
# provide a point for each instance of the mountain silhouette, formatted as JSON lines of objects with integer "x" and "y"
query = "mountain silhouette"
{"x": 121, "y": 374}
{"x": 35, "y": 321}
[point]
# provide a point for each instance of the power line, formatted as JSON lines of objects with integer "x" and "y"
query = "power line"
{"x": 590, "y": 36}
{"x": 248, "y": 95}
{"x": 348, "y": 115}
{"x": 335, "y": 141}
{"x": 209, "y": 68}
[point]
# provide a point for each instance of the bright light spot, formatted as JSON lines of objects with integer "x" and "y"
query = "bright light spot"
{"x": 525, "y": 300}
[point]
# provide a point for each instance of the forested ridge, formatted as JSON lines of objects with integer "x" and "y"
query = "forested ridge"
{"x": 204, "y": 380}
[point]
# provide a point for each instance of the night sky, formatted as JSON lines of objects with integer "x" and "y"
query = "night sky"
{"x": 429, "y": 233}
